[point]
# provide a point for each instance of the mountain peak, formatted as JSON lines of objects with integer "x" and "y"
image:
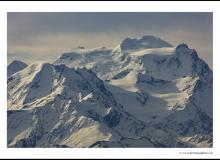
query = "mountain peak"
{"x": 144, "y": 42}
{"x": 183, "y": 45}
{"x": 15, "y": 66}
{"x": 17, "y": 62}
{"x": 183, "y": 49}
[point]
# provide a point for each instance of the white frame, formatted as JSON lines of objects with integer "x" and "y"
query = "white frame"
{"x": 89, "y": 6}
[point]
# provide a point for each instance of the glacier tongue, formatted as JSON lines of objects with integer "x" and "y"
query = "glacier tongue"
{"x": 142, "y": 93}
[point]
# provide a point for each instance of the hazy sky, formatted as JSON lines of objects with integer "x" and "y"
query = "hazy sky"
{"x": 44, "y": 36}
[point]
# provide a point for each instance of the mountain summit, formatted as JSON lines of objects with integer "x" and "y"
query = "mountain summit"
{"x": 148, "y": 41}
{"x": 15, "y": 66}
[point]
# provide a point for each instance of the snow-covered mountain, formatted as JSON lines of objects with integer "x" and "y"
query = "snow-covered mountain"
{"x": 142, "y": 93}
{"x": 15, "y": 66}
{"x": 52, "y": 105}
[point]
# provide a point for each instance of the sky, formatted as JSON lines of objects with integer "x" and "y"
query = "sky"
{"x": 43, "y": 36}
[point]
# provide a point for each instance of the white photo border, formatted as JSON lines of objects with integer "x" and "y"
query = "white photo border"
{"x": 109, "y": 6}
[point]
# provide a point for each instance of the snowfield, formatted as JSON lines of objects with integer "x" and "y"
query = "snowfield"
{"x": 143, "y": 93}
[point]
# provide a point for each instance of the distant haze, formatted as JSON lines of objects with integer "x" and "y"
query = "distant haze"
{"x": 44, "y": 36}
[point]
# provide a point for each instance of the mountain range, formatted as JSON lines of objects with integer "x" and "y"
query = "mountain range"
{"x": 145, "y": 92}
